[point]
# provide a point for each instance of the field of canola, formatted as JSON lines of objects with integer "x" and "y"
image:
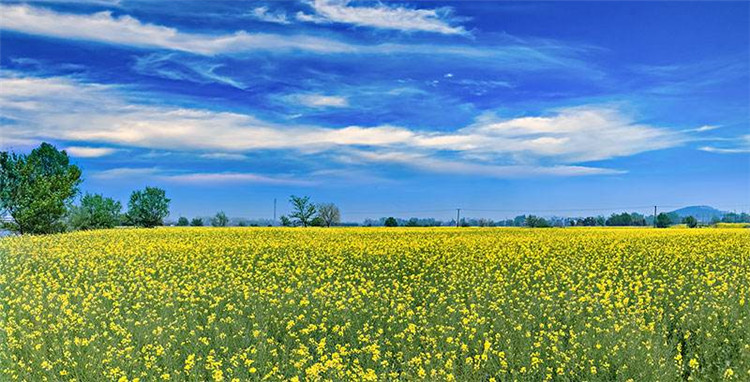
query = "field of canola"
{"x": 240, "y": 304}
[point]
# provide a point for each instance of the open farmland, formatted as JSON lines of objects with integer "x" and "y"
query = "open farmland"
{"x": 376, "y": 304}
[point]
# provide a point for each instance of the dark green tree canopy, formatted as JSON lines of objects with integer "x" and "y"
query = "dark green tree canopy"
{"x": 95, "y": 212}
{"x": 663, "y": 220}
{"x": 37, "y": 189}
{"x": 148, "y": 207}
{"x": 183, "y": 222}
{"x": 302, "y": 210}
{"x": 690, "y": 221}
{"x": 391, "y": 222}
{"x": 220, "y": 220}
{"x": 196, "y": 222}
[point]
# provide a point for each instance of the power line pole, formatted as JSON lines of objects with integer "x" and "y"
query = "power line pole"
{"x": 654, "y": 216}
{"x": 458, "y": 217}
{"x": 274, "y": 211}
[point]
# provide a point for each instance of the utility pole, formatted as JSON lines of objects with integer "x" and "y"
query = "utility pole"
{"x": 654, "y": 216}
{"x": 458, "y": 217}
{"x": 274, "y": 211}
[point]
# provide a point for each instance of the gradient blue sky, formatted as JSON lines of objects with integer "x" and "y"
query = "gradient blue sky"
{"x": 410, "y": 109}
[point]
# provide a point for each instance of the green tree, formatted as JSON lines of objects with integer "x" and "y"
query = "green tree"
{"x": 196, "y": 222}
{"x": 37, "y": 189}
{"x": 329, "y": 213}
{"x": 317, "y": 222}
{"x": 302, "y": 210}
{"x": 391, "y": 222}
{"x": 663, "y": 220}
{"x": 220, "y": 220}
{"x": 536, "y": 222}
{"x": 285, "y": 221}
{"x": 95, "y": 212}
{"x": 183, "y": 222}
{"x": 149, "y": 207}
{"x": 690, "y": 221}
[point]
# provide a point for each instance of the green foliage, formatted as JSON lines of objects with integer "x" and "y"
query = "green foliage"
{"x": 413, "y": 222}
{"x": 285, "y": 221}
{"x": 626, "y": 219}
{"x": 183, "y": 222}
{"x": 329, "y": 213}
{"x": 690, "y": 221}
{"x": 196, "y": 222}
{"x": 663, "y": 220}
{"x": 220, "y": 219}
{"x": 37, "y": 189}
{"x": 391, "y": 222}
{"x": 536, "y": 222}
{"x": 149, "y": 207}
{"x": 95, "y": 212}
{"x": 302, "y": 210}
{"x": 317, "y": 222}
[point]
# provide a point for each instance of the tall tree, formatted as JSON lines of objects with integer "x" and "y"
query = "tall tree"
{"x": 36, "y": 190}
{"x": 95, "y": 212}
{"x": 302, "y": 210}
{"x": 220, "y": 220}
{"x": 149, "y": 207}
{"x": 329, "y": 214}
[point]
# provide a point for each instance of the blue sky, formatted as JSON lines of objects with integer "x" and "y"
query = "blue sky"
{"x": 410, "y": 109}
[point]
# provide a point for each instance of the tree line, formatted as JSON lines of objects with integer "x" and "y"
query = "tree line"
{"x": 37, "y": 191}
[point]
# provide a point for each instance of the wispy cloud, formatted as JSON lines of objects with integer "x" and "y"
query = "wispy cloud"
{"x": 89, "y": 152}
{"x": 318, "y": 100}
{"x": 231, "y": 177}
{"x": 104, "y": 27}
{"x": 167, "y": 65}
{"x": 264, "y": 14}
{"x": 384, "y": 16}
{"x": 63, "y": 109}
{"x": 740, "y": 145}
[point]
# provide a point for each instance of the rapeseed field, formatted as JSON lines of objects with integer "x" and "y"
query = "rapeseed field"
{"x": 439, "y": 304}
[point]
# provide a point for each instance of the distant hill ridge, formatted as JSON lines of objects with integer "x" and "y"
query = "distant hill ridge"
{"x": 700, "y": 212}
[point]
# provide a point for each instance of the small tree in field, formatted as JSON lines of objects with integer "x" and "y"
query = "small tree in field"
{"x": 196, "y": 222}
{"x": 183, "y": 222}
{"x": 690, "y": 221}
{"x": 663, "y": 220}
{"x": 37, "y": 189}
{"x": 220, "y": 220}
{"x": 329, "y": 214}
{"x": 302, "y": 210}
{"x": 95, "y": 212}
{"x": 285, "y": 221}
{"x": 148, "y": 208}
{"x": 391, "y": 222}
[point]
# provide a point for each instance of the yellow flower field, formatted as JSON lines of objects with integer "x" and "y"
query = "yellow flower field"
{"x": 376, "y": 304}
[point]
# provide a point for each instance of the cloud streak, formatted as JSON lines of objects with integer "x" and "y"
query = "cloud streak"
{"x": 125, "y": 30}
{"x": 63, "y": 109}
{"x": 383, "y": 16}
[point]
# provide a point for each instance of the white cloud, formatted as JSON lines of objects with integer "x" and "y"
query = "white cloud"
{"x": 89, "y": 152}
{"x": 264, "y": 14}
{"x": 741, "y": 146}
{"x": 706, "y": 128}
{"x": 104, "y": 27}
{"x": 65, "y": 110}
{"x": 126, "y": 30}
{"x": 125, "y": 172}
{"x": 172, "y": 66}
{"x": 230, "y": 177}
{"x": 383, "y": 16}
{"x": 318, "y": 100}
{"x": 463, "y": 167}
{"x": 223, "y": 156}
